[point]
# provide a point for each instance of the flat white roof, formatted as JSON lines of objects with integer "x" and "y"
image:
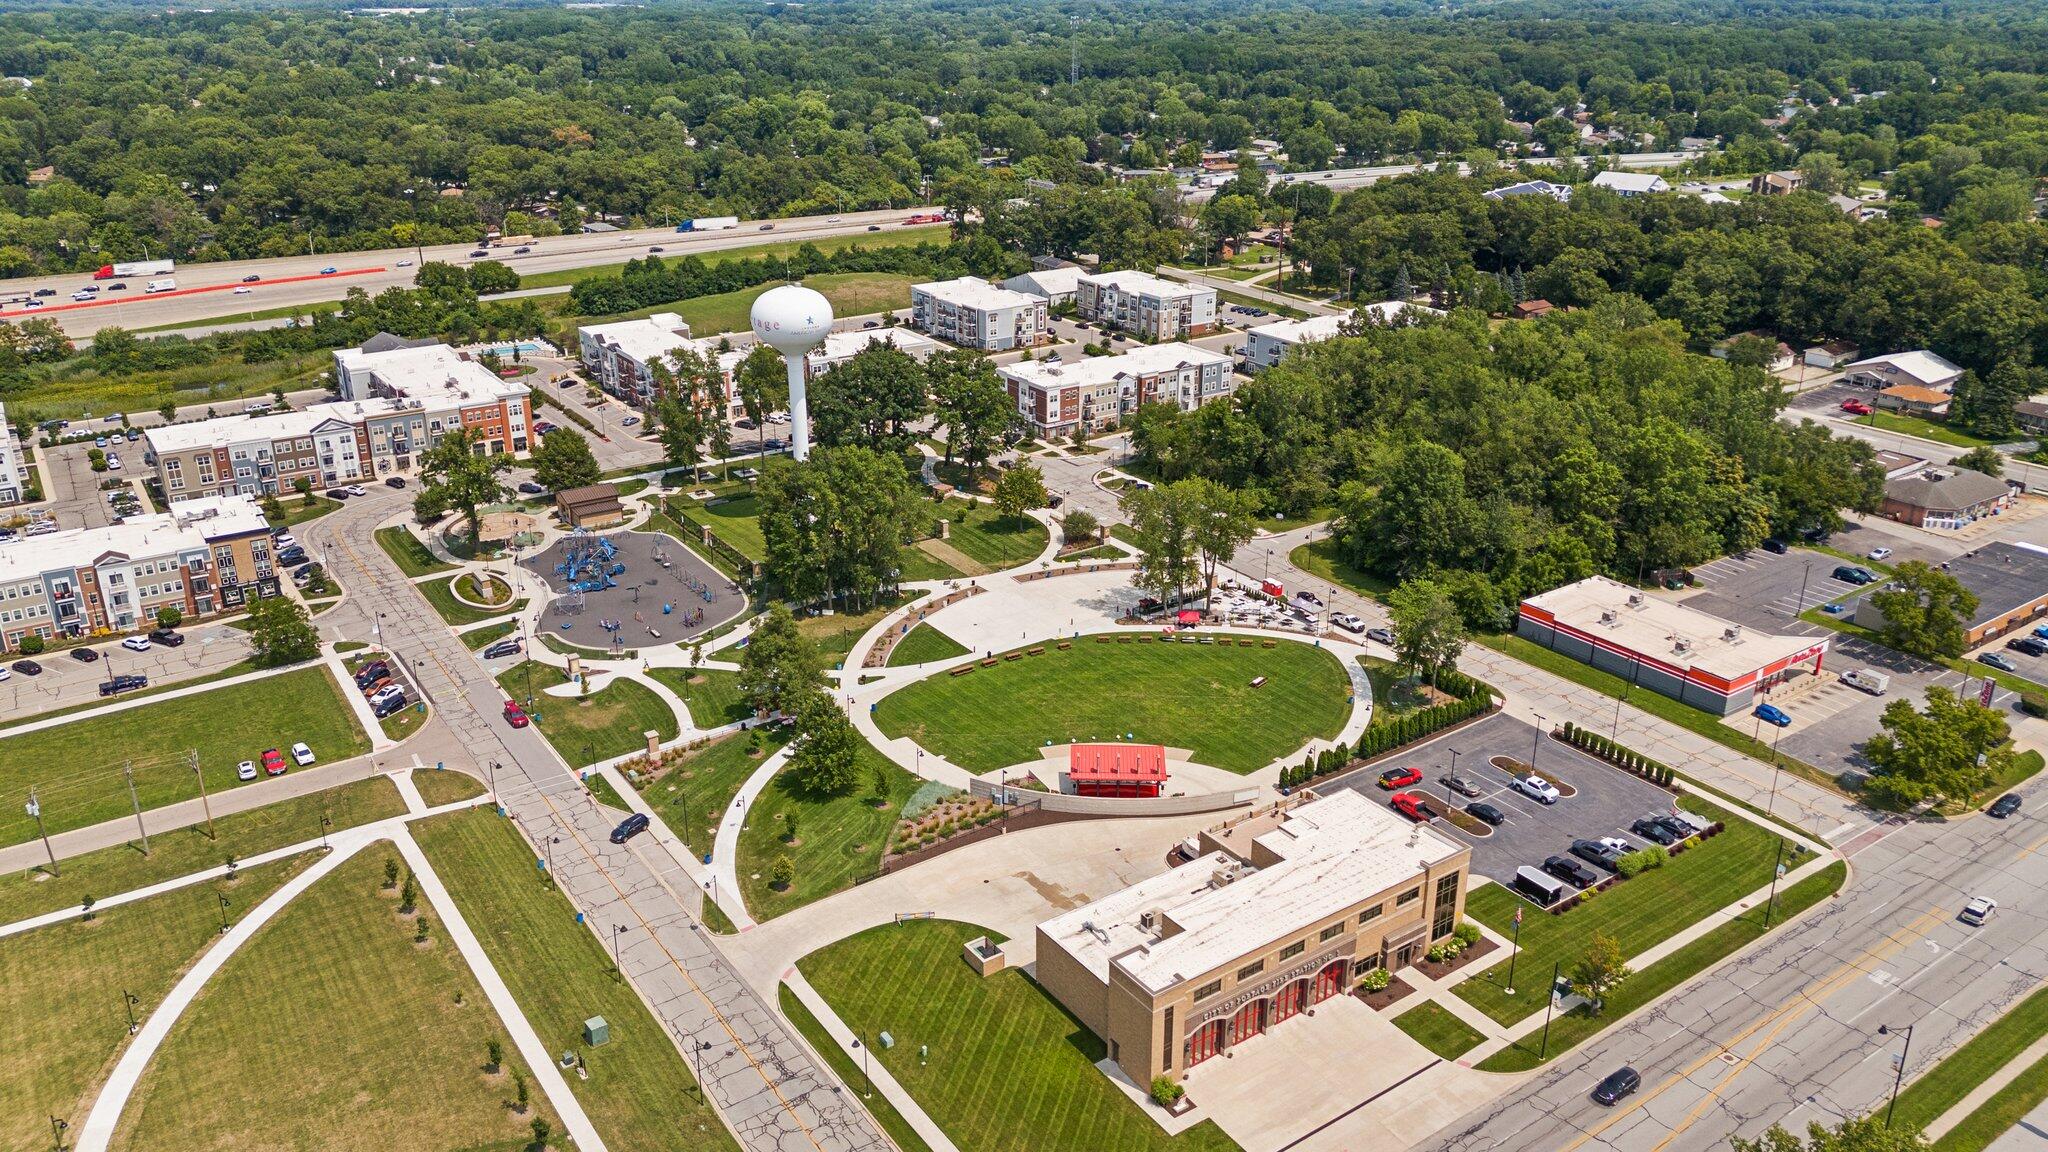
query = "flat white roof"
{"x": 1924, "y": 366}
{"x": 436, "y": 375}
{"x": 236, "y": 429}
{"x": 1656, "y": 628}
{"x": 1090, "y": 371}
{"x": 190, "y": 524}
{"x": 1139, "y": 283}
{"x": 1047, "y": 282}
{"x": 1312, "y": 328}
{"x": 1630, "y": 181}
{"x": 644, "y": 340}
{"x": 1335, "y": 851}
{"x": 841, "y": 346}
{"x": 974, "y": 292}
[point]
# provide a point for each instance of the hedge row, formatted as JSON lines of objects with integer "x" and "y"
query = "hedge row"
{"x": 1627, "y": 759}
{"x": 1475, "y": 699}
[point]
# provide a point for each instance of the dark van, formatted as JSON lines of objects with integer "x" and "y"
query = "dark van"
{"x": 630, "y": 827}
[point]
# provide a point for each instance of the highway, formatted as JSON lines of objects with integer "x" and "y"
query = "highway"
{"x": 208, "y": 291}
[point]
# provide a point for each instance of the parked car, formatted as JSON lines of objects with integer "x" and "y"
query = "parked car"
{"x": 1998, "y": 660}
{"x": 371, "y": 671}
{"x": 1854, "y": 574}
{"x": 27, "y": 667}
{"x": 1618, "y": 1084}
{"x": 84, "y": 655}
{"x": 1487, "y": 812}
{"x": 167, "y": 638}
{"x": 2002, "y": 807}
{"x": 394, "y": 481}
{"x": 301, "y": 755}
{"x": 1347, "y": 622}
{"x": 1537, "y": 788}
{"x": 356, "y": 490}
{"x": 246, "y": 770}
{"x": 630, "y": 827}
{"x": 1381, "y": 635}
{"x": 336, "y": 493}
{"x": 1458, "y": 784}
{"x": 1597, "y": 852}
{"x": 1978, "y": 910}
{"x": 509, "y": 646}
{"x": 1394, "y": 778}
{"x": 529, "y": 488}
{"x": 116, "y": 685}
{"x": 1773, "y": 715}
{"x": 1412, "y": 806}
{"x": 1653, "y": 830}
{"x": 1856, "y": 407}
{"x": 273, "y": 762}
{"x": 135, "y": 643}
{"x": 385, "y": 693}
{"x": 1571, "y": 871}
{"x": 389, "y": 705}
{"x": 1776, "y": 546}
{"x": 2031, "y": 645}
{"x": 1879, "y": 553}
{"x": 515, "y": 715}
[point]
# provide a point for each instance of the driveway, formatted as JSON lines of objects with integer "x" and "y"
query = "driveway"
{"x": 1606, "y": 802}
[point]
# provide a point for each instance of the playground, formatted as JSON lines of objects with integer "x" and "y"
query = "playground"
{"x": 630, "y": 590}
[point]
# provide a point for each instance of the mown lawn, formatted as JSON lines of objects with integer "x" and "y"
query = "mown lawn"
{"x": 640, "y": 1093}
{"x": 1320, "y": 558}
{"x": 477, "y": 639}
{"x": 936, "y": 234}
{"x": 851, "y": 294}
{"x": 62, "y": 1021}
{"x": 379, "y": 1042}
{"x": 298, "y": 510}
{"x": 693, "y": 795}
{"x": 1577, "y": 1026}
{"x": 737, "y": 521}
{"x": 1637, "y": 913}
{"x": 180, "y": 852}
{"x": 438, "y": 787}
{"x": 836, "y": 634}
{"x": 1196, "y": 696}
{"x": 839, "y": 838}
{"x": 609, "y": 722}
{"x": 876, "y": 1103}
{"x": 713, "y": 694}
{"x": 409, "y": 552}
{"x": 1943, "y": 1086}
{"x": 924, "y": 644}
{"x": 1438, "y": 1029}
{"x": 76, "y": 767}
{"x": 441, "y": 596}
{"x": 1008, "y": 1070}
{"x": 991, "y": 538}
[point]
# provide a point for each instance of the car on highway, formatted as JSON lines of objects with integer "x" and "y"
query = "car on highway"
{"x": 246, "y": 770}
{"x": 1978, "y": 910}
{"x": 1879, "y": 553}
{"x": 2001, "y": 808}
{"x": 874, "y": 227}
{"x": 522, "y": 250}
{"x": 1459, "y": 784}
{"x": 1856, "y": 407}
{"x": 32, "y": 304}
{"x": 1412, "y": 806}
{"x": 403, "y": 264}
{"x": 1481, "y": 810}
{"x": 46, "y": 292}
{"x": 81, "y": 296}
{"x": 1998, "y": 660}
{"x": 329, "y": 270}
{"x": 301, "y": 755}
{"x": 479, "y": 254}
{"x": 657, "y": 248}
{"x": 31, "y": 668}
{"x": 1773, "y": 715}
{"x": 251, "y": 278}
{"x": 84, "y": 655}
{"x": 1538, "y": 789}
{"x": 831, "y": 219}
{"x": 765, "y": 228}
{"x": 630, "y": 827}
{"x": 1394, "y": 778}
{"x": 273, "y": 762}
{"x": 242, "y": 291}
{"x": 118, "y": 286}
{"x": 1618, "y": 1084}
{"x": 515, "y": 715}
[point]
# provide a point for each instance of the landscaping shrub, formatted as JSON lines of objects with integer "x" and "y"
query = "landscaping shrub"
{"x": 2032, "y": 703}
{"x": 1376, "y": 980}
{"x": 1641, "y": 860}
{"x": 1166, "y": 1092}
{"x": 31, "y": 645}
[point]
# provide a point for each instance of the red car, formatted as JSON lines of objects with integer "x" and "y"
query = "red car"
{"x": 515, "y": 715}
{"x": 1412, "y": 806}
{"x": 273, "y": 762}
{"x": 1855, "y": 407}
{"x": 1394, "y": 778}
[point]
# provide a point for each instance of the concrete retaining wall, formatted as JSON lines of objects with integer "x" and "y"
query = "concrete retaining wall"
{"x": 1119, "y": 805}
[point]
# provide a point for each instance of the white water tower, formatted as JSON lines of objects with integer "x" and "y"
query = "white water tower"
{"x": 793, "y": 320}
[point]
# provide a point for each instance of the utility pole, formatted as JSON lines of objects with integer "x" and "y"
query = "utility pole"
{"x": 205, "y": 805}
{"x": 1549, "y": 1004}
{"x": 1074, "y": 48}
{"x": 128, "y": 773}
{"x": 35, "y": 809}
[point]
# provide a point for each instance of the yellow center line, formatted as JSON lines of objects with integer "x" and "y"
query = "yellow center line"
{"x": 1802, "y": 1002}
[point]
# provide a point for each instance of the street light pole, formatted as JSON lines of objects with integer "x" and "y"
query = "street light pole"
{"x": 1777, "y": 870}
{"x": 325, "y": 824}
{"x": 1536, "y": 743}
{"x": 617, "y": 931}
{"x": 1549, "y": 1003}
{"x": 867, "y": 1085}
{"x": 1900, "y": 1077}
{"x": 58, "y": 1127}
{"x": 1448, "y": 794}
{"x": 129, "y": 1000}
{"x": 35, "y": 809}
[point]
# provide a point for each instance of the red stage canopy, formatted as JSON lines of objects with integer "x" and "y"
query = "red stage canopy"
{"x": 1128, "y": 763}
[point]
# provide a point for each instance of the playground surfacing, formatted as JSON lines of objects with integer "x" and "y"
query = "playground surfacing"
{"x": 636, "y": 595}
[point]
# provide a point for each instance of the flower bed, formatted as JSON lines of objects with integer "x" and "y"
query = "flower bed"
{"x": 1462, "y": 948}
{"x": 942, "y": 821}
{"x": 1385, "y": 995}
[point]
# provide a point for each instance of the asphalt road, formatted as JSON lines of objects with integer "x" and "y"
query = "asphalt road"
{"x": 208, "y": 291}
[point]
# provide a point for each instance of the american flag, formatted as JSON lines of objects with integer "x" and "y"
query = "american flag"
{"x": 1518, "y": 917}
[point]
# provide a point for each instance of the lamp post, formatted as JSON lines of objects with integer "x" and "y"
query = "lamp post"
{"x": 59, "y": 1126}
{"x": 1807, "y": 575}
{"x": 618, "y": 930}
{"x": 325, "y": 824}
{"x": 1536, "y": 743}
{"x": 697, "y": 1050}
{"x": 551, "y": 842}
{"x": 1448, "y": 793}
{"x": 1514, "y": 951}
{"x": 1549, "y": 1003}
{"x": 867, "y": 1086}
{"x": 223, "y": 912}
{"x": 129, "y": 1000}
{"x": 1777, "y": 871}
{"x": 1900, "y": 1077}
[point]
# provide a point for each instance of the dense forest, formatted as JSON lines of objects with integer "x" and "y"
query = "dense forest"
{"x": 257, "y": 130}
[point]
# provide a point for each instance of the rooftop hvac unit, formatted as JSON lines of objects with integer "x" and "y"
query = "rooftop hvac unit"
{"x": 1683, "y": 646}
{"x": 1732, "y": 634}
{"x": 1609, "y": 616}
{"x": 1635, "y": 599}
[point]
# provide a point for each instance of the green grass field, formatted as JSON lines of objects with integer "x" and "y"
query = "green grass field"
{"x": 477, "y": 639}
{"x": 1320, "y": 558}
{"x": 156, "y": 688}
{"x": 851, "y": 294}
{"x": 1933, "y": 430}
{"x": 640, "y": 1094}
{"x": 376, "y": 1041}
{"x": 76, "y": 768}
{"x": 1943, "y": 1086}
{"x": 409, "y": 552}
{"x": 835, "y": 635}
{"x": 297, "y": 510}
{"x": 1576, "y": 1026}
{"x": 776, "y": 249}
{"x": 1436, "y": 1028}
{"x": 584, "y": 730}
{"x": 839, "y": 838}
{"x": 76, "y": 390}
{"x": 694, "y": 795}
{"x": 1009, "y": 1070}
{"x": 1196, "y": 696}
{"x": 877, "y": 1104}
{"x": 441, "y": 596}
{"x": 62, "y": 1020}
{"x": 182, "y": 851}
{"x": 737, "y": 522}
{"x": 992, "y": 539}
{"x": 712, "y": 694}
{"x": 1638, "y": 913}
{"x": 1997, "y": 1116}
{"x": 444, "y": 787}
{"x": 924, "y": 644}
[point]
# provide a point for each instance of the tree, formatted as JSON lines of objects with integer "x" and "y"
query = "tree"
{"x": 1428, "y": 632}
{"x": 1228, "y": 218}
{"x": 782, "y": 874}
{"x": 1220, "y": 524}
{"x": 1597, "y": 973}
{"x": 390, "y": 873}
{"x": 169, "y": 616}
{"x": 836, "y": 524}
{"x": 494, "y": 1054}
{"x": 281, "y": 632}
{"x": 168, "y": 411}
{"x": 456, "y": 474}
{"x": 303, "y": 485}
{"x": 1162, "y": 525}
{"x": 564, "y": 460}
{"x": 1983, "y": 458}
{"x": 789, "y": 825}
{"x": 1925, "y": 611}
{"x": 1078, "y": 525}
{"x": 970, "y": 402}
{"x": 1019, "y": 488}
{"x": 871, "y": 399}
{"x": 520, "y": 1093}
{"x": 491, "y": 277}
{"x": 408, "y": 897}
{"x": 762, "y": 387}
{"x": 542, "y": 1132}
{"x": 825, "y": 758}
{"x": 1952, "y": 750}
{"x": 1855, "y": 1134}
{"x": 779, "y": 665}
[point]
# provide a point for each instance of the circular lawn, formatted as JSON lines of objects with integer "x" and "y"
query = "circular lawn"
{"x": 1194, "y": 696}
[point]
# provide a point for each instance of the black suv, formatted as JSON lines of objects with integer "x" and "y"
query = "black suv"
{"x": 1655, "y": 831}
{"x": 2031, "y": 645}
{"x": 166, "y": 637}
{"x": 1775, "y": 546}
{"x": 2002, "y": 807}
{"x": 1854, "y": 574}
{"x": 1571, "y": 871}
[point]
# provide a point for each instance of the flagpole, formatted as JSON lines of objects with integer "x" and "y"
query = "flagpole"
{"x": 1514, "y": 950}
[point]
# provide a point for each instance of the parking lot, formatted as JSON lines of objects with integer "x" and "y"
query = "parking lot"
{"x": 1605, "y": 803}
{"x": 73, "y": 488}
{"x": 65, "y": 681}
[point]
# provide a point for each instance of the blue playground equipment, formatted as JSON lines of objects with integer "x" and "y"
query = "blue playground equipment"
{"x": 590, "y": 564}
